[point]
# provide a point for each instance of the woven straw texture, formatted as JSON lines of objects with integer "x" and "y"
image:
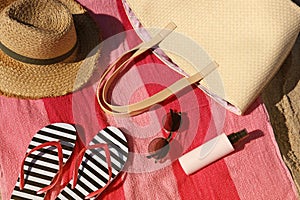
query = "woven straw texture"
{"x": 46, "y": 29}
{"x": 248, "y": 39}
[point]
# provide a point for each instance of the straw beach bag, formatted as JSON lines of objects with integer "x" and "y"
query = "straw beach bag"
{"x": 248, "y": 39}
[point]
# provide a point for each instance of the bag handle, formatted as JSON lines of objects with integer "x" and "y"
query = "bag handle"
{"x": 142, "y": 106}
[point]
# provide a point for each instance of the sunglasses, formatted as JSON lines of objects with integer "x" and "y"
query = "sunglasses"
{"x": 159, "y": 147}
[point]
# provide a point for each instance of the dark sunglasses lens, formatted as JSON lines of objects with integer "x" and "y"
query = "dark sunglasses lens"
{"x": 172, "y": 121}
{"x": 158, "y": 148}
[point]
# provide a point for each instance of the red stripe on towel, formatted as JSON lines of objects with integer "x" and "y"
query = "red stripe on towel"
{"x": 213, "y": 181}
{"x": 205, "y": 177}
{"x": 59, "y": 109}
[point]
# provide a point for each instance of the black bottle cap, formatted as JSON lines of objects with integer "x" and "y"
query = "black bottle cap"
{"x": 234, "y": 138}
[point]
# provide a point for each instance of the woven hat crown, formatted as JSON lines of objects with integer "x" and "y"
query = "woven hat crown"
{"x": 42, "y": 29}
{"x": 48, "y": 48}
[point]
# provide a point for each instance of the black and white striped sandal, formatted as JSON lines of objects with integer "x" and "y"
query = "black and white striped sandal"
{"x": 95, "y": 167}
{"x": 98, "y": 168}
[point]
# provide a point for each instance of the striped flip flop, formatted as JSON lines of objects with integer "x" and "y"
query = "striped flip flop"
{"x": 96, "y": 166}
{"x": 41, "y": 165}
{"x": 101, "y": 161}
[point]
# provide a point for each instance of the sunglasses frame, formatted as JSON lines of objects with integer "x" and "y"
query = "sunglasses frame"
{"x": 159, "y": 147}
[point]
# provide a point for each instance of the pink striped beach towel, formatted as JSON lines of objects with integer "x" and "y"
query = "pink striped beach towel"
{"x": 253, "y": 171}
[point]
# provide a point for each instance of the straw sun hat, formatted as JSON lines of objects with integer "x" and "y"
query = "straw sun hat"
{"x": 45, "y": 47}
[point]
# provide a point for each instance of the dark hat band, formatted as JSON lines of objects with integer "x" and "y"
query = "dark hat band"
{"x": 36, "y": 61}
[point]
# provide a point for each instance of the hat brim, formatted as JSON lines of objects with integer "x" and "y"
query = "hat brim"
{"x": 24, "y": 80}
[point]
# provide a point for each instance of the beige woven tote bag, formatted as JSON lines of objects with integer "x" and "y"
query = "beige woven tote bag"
{"x": 248, "y": 39}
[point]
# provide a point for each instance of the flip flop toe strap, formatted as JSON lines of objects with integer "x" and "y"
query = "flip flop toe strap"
{"x": 103, "y": 146}
{"x": 60, "y": 165}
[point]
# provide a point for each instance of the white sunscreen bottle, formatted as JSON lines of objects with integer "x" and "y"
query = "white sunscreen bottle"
{"x": 210, "y": 151}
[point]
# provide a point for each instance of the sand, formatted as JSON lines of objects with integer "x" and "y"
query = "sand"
{"x": 282, "y": 100}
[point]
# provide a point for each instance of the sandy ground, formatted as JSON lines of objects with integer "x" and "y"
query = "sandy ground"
{"x": 282, "y": 99}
